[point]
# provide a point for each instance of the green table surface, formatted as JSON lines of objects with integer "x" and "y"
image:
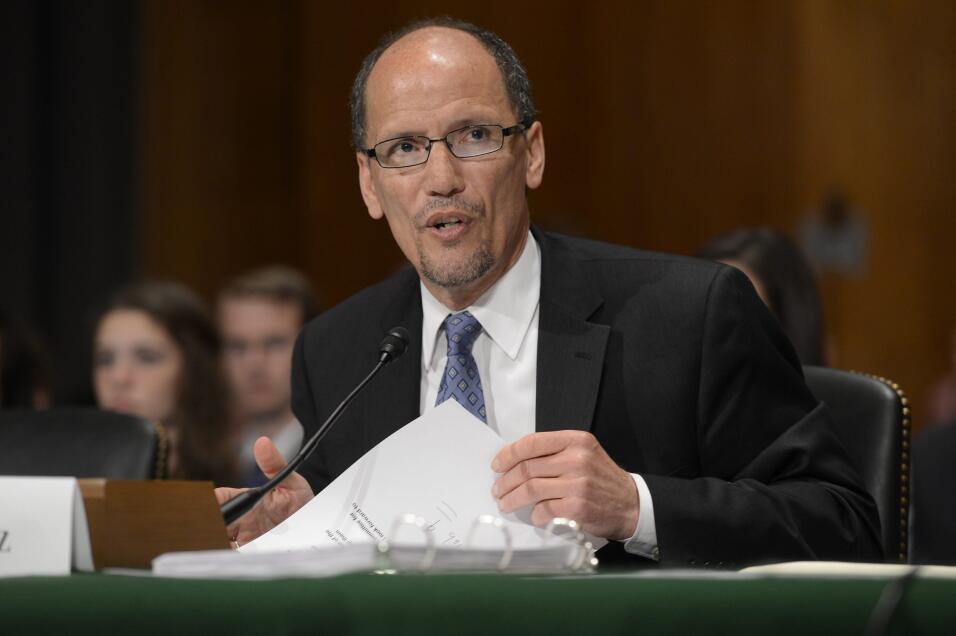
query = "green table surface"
{"x": 674, "y": 603}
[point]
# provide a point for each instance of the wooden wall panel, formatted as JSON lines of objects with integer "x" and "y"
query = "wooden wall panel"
{"x": 877, "y": 93}
{"x": 219, "y": 182}
{"x": 666, "y": 123}
{"x": 701, "y": 93}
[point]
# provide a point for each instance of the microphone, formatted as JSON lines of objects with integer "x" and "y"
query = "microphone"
{"x": 392, "y": 346}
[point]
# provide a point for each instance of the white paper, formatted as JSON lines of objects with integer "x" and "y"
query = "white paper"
{"x": 844, "y": 569}
{"x": 437, "y": 467}
{"x": 43, "y": 529}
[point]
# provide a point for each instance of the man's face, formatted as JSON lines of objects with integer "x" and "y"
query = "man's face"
{"x": 462, "y": 223}
{"x": 258, "y": 335}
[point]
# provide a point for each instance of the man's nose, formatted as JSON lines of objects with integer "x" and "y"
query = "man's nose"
{"x": 256, "y": 354}
{"x": 443, "y": 171}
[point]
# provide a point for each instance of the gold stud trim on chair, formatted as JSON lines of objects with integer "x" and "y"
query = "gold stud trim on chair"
{"x": 906, "y": 421}
{"x": 162, "y": 447}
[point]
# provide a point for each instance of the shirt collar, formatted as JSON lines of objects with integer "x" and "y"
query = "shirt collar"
{"x": 505, "y": 311}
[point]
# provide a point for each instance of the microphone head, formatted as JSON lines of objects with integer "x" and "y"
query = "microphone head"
{"x": 393, "y": 344}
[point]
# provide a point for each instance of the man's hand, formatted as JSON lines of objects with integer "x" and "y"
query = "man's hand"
{"x": 567, "y": 474}
{"x": 290, "y": 495}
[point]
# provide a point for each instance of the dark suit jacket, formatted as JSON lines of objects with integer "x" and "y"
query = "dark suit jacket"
{"x": 674, "y": 365}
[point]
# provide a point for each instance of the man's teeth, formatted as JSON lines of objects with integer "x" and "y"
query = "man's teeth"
{"x": 448, "y": 223}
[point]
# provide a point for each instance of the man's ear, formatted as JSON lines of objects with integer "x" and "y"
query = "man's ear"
{"x": 534, "y": 173}
{"x": 367, "y": 187}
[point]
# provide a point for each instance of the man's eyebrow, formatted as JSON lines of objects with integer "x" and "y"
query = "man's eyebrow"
{"x": 456, "y": 124}
{"x": 400, "y": 135}
{"x": 470, "y": 121}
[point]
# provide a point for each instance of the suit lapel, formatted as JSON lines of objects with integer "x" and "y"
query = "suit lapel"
{"x": 399, "y": 384}
{"x": 570, "y": 349}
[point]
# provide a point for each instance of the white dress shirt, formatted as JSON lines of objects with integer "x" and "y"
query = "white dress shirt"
{"x": 506, "y": 354}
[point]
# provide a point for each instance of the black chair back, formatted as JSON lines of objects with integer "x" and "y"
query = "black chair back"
{"x": 872, "y": 417}
{"x": 80, "y": 443}
{"x": 933, "y": 511}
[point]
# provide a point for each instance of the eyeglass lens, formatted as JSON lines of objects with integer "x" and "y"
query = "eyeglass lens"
{"x": 470, "y": 141}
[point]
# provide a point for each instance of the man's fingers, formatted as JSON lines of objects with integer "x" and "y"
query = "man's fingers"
{"x": 268, "y": 457}
{"x": 222, "y": 496}
{"x": 570, "y": 508}
{"x": 534, "y": 491}
{"x": 277, "y": 506}
{"x": 550, "y": 466}
{"x": 533, "y": 445}
{"x": 225, "y": 494}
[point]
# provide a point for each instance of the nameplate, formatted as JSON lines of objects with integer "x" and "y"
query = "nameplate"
{"x": 43, "y": 528}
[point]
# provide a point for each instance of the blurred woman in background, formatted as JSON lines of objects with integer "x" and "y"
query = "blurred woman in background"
{"x": 783, "y": 279}
{"x": 156, "y": 355}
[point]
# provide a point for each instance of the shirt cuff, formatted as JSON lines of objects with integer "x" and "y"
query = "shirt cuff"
{"x": 644, "y": 541}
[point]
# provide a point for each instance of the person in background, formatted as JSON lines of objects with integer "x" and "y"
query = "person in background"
{"x": 260, "y": 314}
{"x": 156, "y": 356}
{"x": 784, "y": 281}
{"x": 940, "y": 407}
{"x": 24, "y": 367}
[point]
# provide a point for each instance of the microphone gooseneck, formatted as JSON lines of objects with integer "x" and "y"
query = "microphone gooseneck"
{"x": 392, "y": 346}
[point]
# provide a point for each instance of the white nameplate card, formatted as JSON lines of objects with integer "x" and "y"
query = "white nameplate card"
{"x": 43, "y": 528}
{"x": 437, "y": 467}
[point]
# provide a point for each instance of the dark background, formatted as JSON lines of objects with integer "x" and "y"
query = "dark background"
{"x": 193, "y": 139}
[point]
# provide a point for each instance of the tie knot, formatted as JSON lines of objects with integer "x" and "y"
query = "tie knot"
{"x": 461, "y": 329}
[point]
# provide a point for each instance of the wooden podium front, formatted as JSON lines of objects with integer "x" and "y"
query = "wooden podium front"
{"x": 132, "y": 522}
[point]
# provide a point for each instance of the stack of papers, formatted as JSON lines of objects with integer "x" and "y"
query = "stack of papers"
{"x": 426, "y": 492}
{"x": 561, "y": 557}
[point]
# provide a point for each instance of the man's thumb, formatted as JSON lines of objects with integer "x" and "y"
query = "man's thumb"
{"x": 268, "y": 457}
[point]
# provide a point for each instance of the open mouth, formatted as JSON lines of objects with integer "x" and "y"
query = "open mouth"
{"x": 447, "y": 223}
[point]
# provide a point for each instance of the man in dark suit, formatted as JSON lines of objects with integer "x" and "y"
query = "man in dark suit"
{"x": 651, "y": 398}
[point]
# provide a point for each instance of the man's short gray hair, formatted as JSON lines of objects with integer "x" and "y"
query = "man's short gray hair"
{"x": 512, "y": 72}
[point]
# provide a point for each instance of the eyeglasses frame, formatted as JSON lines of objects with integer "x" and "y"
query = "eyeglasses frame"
{"x": 520, "y": 127}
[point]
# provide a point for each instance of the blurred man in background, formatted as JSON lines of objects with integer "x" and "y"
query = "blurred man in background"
{"x": 941, "y": 401}
{"x": 260, "y": 314}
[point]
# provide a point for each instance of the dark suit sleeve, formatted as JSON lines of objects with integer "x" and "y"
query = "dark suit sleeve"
{"x": 775, "y": 482}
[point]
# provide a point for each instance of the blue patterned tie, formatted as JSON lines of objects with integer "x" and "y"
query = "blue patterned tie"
{"x": 461, "y": 381}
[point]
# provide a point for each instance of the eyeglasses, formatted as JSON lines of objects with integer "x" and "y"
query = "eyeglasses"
{"x": 470, "y": 141}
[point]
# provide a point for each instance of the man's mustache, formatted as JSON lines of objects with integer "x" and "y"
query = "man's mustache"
{"x": 473, "y": 208}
